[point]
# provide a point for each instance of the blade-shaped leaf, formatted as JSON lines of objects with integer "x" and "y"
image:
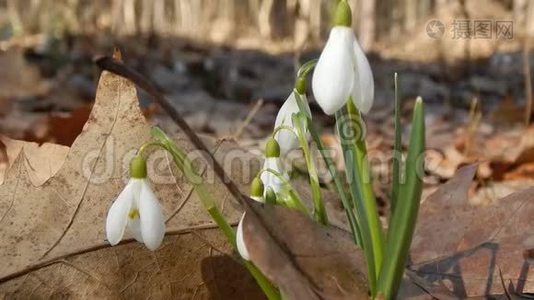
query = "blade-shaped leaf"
{"x": 403, "y": 220}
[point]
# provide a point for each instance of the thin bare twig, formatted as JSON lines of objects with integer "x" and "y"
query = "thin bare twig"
{"x": 528, "y": 82}
{"x": 248, "y": 119}
{"x": 59, "y": 259}
{"x": 109, "y": 64}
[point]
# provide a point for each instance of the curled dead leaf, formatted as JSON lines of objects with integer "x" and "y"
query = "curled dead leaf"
{"x": 463, "y": 245}
{"x": 304, "y": 259}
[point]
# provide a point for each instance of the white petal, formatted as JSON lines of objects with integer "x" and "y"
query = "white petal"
{"x": 152, "y": 222}
{"x": 285, "y": 138}
{"x": 364, "y": 88}
{"x": 256, "y": 198}
{"x": 269, "y": 179}
{"x": 240, "y": 242}
{"x": 118, "y": 214}
{"x": 334, "y": 73}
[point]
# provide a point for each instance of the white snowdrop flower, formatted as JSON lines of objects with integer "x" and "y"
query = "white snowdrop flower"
{"x": 272, "y": 183}
{"x": 137, "y": 208}
{"x": 342, "y": 69}
{"x": 270, "y": 180}
{"x": 240, "y": 242}
{"x": 256, "y": 193}
{"x": 287, "y": 139}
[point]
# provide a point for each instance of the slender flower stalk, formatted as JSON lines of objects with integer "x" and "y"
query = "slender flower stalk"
{"x": 319, "y": 210}
{"x": 206, "y": 199}
{"x": 347, "y": 205}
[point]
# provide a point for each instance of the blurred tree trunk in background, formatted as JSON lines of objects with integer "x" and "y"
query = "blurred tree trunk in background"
{"x": 520, "y": 10}
{"x": 367, "y": 23}
{"x": 298, "y": 23}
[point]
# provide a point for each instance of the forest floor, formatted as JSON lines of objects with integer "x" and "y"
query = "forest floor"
{"x": 475, "y": 111}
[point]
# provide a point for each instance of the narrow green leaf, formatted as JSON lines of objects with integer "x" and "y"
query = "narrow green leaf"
{"x": 402, "y": 225}
{"x": 353, "y": 177}
{"x": 397, "y": 151}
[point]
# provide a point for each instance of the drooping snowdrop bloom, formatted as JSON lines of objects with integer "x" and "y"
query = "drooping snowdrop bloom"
{"x": 285, "y": 138}
{"x": 272, "y": 183}
{"x": 342, "y": 70}
{"x": 240, "y": 243}
{"x": 256, "y": 193}
{"x": 137, "y": 208}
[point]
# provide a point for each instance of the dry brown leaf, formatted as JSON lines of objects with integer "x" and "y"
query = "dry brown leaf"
{"x": 464, "y": 245}
{"x": 508, "y": 151}
{"x": 52, "y": 240}
{"x": 41, "y": 161}
{"x": 304, "y": 259}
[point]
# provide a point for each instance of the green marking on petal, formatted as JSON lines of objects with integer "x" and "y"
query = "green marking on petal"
{"x": 133, "y": 214}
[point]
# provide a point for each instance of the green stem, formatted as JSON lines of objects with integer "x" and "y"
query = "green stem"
{"x": 319, "y": 210}
{"x": 356, "y": 235}
{"x": 369, "y": 201}
{"x": 280, "y": 128}
{"x": 306, "y": 68}
{"x": 185, "y": 165}
{"x": 145, "y": 147}
{"x": 216, "y": 215}
{"x": 266, "y": 286}
{"x": 268, "y": 289}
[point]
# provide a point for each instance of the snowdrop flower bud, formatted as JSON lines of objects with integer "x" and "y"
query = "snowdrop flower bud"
{"x": 286, "y": 139}
{"x": 342, "y": 69}
{"x": 272, "y": 161}
{"x": 256, "y": 189}
{"x": 270, "y": 196}
{"x": 137, "y": 208}
{"x": 272, "y": 148}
